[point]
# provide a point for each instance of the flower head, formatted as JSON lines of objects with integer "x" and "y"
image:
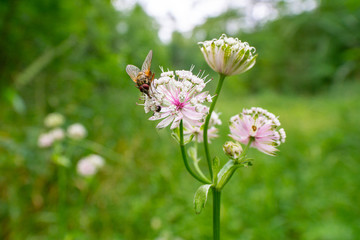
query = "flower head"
{"x": 54, "y": 120}
{"x": 76, "y": 131}
{"x": 45, "y": 140}
{"x": 228, "y": 56}
{"x": 259, "y": 126}
{"x": 198, "y": 131}
{"x": 97, "y": 160}
{"x": 89, "y": 165}
{"x": 177, "y": 96}
{"x": 57, "y": 134}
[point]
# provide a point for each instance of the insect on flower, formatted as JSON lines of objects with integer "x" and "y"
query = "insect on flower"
{"x": 143, "y": 78}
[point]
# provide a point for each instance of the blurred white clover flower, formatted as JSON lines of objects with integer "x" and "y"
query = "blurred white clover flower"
{"x": 54, "y": 120}
{"x": 57, "y": 134}
{"x": 45, "y": 140}
{"x": 76, "y": 131}
{"x": 232, "y": 149}
{"x": 259, "y": 126}
{"x": 89, "y": 165}
{"x": 228, "y": 56}
{"x": 97, "y": 160}
{"x": 198, "y": 132}
{"x": 178, "y": 96}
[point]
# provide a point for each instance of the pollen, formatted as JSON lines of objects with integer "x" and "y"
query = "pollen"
{"x": 254, "y": 128}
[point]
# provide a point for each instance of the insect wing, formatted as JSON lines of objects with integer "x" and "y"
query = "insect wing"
{"x": 132, "y": 71}
{"x": 147, "y": 63}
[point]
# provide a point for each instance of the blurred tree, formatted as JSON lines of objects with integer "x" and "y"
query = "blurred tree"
{"x": 300, "y": 53}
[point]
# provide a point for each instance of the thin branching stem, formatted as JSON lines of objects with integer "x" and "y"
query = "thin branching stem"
{"x": 207, "y": 120}
{"x": 186, "y": 163}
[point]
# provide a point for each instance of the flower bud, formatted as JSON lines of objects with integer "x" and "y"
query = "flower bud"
{"x": 228, "y": 56}
{"x": 233, "y": 150}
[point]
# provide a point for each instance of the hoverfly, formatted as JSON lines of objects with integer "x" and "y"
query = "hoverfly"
{"x": 143, "y": 78}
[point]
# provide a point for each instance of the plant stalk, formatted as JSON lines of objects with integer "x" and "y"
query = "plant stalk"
{"x": 186, "y": 163}
{"x": 207, "y": 120}
{"x": 216, "y": 213}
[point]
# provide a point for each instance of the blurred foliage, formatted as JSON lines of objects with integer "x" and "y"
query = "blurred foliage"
{"x": 69, "y": 57}
{"x": 304, "y": 53}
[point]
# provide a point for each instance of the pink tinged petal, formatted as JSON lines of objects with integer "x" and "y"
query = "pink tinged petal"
{"x": 264, "y": 130}
{"x": 212, "y": 133}
{"x": 189, "y": 123}
{"x": 243, "y": 140}
{"x": 267, "y": 134}
{"x": 268, "y": 139}
{"x": 246, "y": 124}
{"x": 160, "y": 116}
{"x": 192, "y": 114}
{"x": 168, "y": 95}
{"x": 235, "y": 133}
{"x": 202, "y": 96}
{"x": 175, "y": 124}
{"x": 238, "y": 129}
{"x": 243, "y": 128}
{"x": 265, "y": 148}
{"x": 165, "y": 122}
{"x": 153, "y": 118}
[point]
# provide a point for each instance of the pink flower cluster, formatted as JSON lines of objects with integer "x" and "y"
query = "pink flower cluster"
{"x": 258, "y": 126}
{"x": 178, "y": 96}
{"x": 198, "y": 131}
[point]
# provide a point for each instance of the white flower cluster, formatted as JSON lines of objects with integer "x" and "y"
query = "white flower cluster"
{"x": 89, "y": 165}
{"x": 198, "y": 132}
{"x": 47, "y": 139}
{"x": 54, "y": 121}
{"x": 178, "y": 96}
{"x": 76, "y": 131}
{"x": 228, "y": 56}
{"x": 86, "y": 166}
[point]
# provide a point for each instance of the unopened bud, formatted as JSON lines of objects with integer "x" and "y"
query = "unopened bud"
{"x": 233, "y": 150}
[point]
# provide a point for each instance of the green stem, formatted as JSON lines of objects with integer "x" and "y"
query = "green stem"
{"x": 201, "y": 174}
{"x": 216, "y": 213}
{"x": 183, "y": 153}
{"x": 246, "y": 149}
{"x": 62, "y": 199}
{"x": 206, "y": 126}
{"x": 196, "y": 163}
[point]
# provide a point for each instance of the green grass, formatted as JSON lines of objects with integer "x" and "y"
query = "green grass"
{"x": 309, "y": 191}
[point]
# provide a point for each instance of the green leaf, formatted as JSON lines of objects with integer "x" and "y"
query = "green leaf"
{"x": 226, "y": 173}
{"x": 216, "y": 167}
{"x": 61, "y": 160}
{"x": 15, "y": 99}
{"x": 201, "y": 197}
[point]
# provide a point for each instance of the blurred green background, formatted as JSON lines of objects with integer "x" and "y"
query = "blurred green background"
{"x": 70, "y": 56}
